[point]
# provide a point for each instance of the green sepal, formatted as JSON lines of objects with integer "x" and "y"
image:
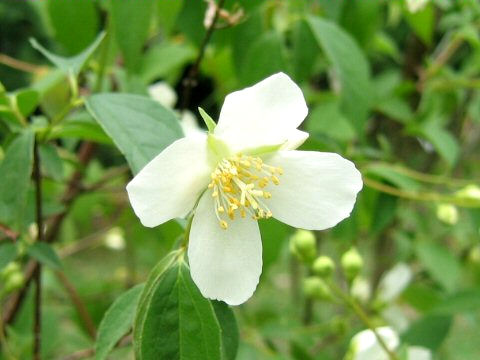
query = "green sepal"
{"x": 207, "y": 119}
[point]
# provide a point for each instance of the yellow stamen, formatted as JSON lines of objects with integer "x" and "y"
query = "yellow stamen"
{"x": 238, "y": 184}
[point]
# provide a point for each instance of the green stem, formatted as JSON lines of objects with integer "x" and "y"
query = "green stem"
{"x": 420, "y": 176}
{"x": 421, "y": 196}
{"x": 348, "y": 300}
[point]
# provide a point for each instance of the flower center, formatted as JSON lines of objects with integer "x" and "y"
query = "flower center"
{"x": 238, "y": 188}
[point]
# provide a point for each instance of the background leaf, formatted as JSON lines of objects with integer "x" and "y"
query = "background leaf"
{"x": 15, "y": 171}
{"x": 71, "y": 64}
{"x": 130, "y": 39}
{"x": 351, "y": 66}
{"x": 45, "y": 254}
{"x": 82, "y": 16}
{"x": 140, "y": 127}
{"x": 8, "y": 253}
{"x": 117, "y": 321}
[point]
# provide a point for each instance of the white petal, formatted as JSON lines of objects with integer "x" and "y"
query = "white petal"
{"x": 296, "y": 139}
{"x": 317, "y": 190}
{"x": 225, "y": 264}
{"x": 394, "y": 282}
{"x": 170, "y": 184}
{"x": 264, "y": 114}
{"x": 364, "y": 345}
{"x": 418, "y": 353}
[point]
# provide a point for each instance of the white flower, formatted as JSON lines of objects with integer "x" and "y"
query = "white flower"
{"x": 394, "y": 282}
{"x": 365, "y": 346}
{"x": 418, "y": 353}
{"x": 163, "y": 93}
{"x": 416, "y": 5}
{"x": 243, "y": 170}
{"x": 361, "y": 289}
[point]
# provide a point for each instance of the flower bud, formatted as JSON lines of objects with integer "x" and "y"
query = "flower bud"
{"x": 352, "y": 263}
{"x": 323, "y": 266}
{"x": 471, "y": 191}
{"x": 115, "y": 239}
{"x": 447, "y": 213}
{"x": 316, "y": 288}
{"x": 304, "y": 245}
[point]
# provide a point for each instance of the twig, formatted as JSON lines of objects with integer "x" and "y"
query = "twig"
{"x": 19, "y": 65}
{"x": 11, "y": 234}
{"x": 190, "y": 81}
{"x": 420, "y": 196}
{"x": 78, "y": 303}
{"x": 37, "y": 323}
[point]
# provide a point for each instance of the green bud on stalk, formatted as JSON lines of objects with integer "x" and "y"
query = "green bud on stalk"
{"x": 447, "y": 213}
{"x": 352, "y": 263}
{"x": 316, "y": 288}
{"x": 303, "y": 244}
{"x": 323, "y": 266}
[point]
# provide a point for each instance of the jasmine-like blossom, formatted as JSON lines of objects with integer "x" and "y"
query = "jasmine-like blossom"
{"x": 365, "y": 346}
{"x": 243, "y": 170}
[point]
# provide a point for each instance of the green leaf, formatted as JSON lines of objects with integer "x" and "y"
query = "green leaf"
{"x": 22, "y": 102}
{"x": 388, "y": 173}
{"x": 440, "y": 263}
{"x": 167, "y": 13}
{"x": 27, "y": 101}
{"x": 442, "y": 140}
{"x": 131, "y": 21}
{"x": 464, "y": 301}
{"x": 165, "y": 60}
{"x": 174, "y": 321}
{"x": 8, "y": 253}
{"x": 71, "y": 65}
{"x": 351, "y": 66}
{"x": 326, "y": 119}
{"x": 117, "y": 321}
{"x": 264, "y": 57}
{"x": 430, "y": 331}
{"x": 80, "y": 126}
{"x": 15, "y": 171}
{"x": 45, "y": 254}
{"x": 422, "y": 22}
{"x": 51, "y": 162}
{"x": 304, "y": 51}
{"x": 229, "y": 328}
{"x": 139, "y": 126}
{"x": 75, "y": 23}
